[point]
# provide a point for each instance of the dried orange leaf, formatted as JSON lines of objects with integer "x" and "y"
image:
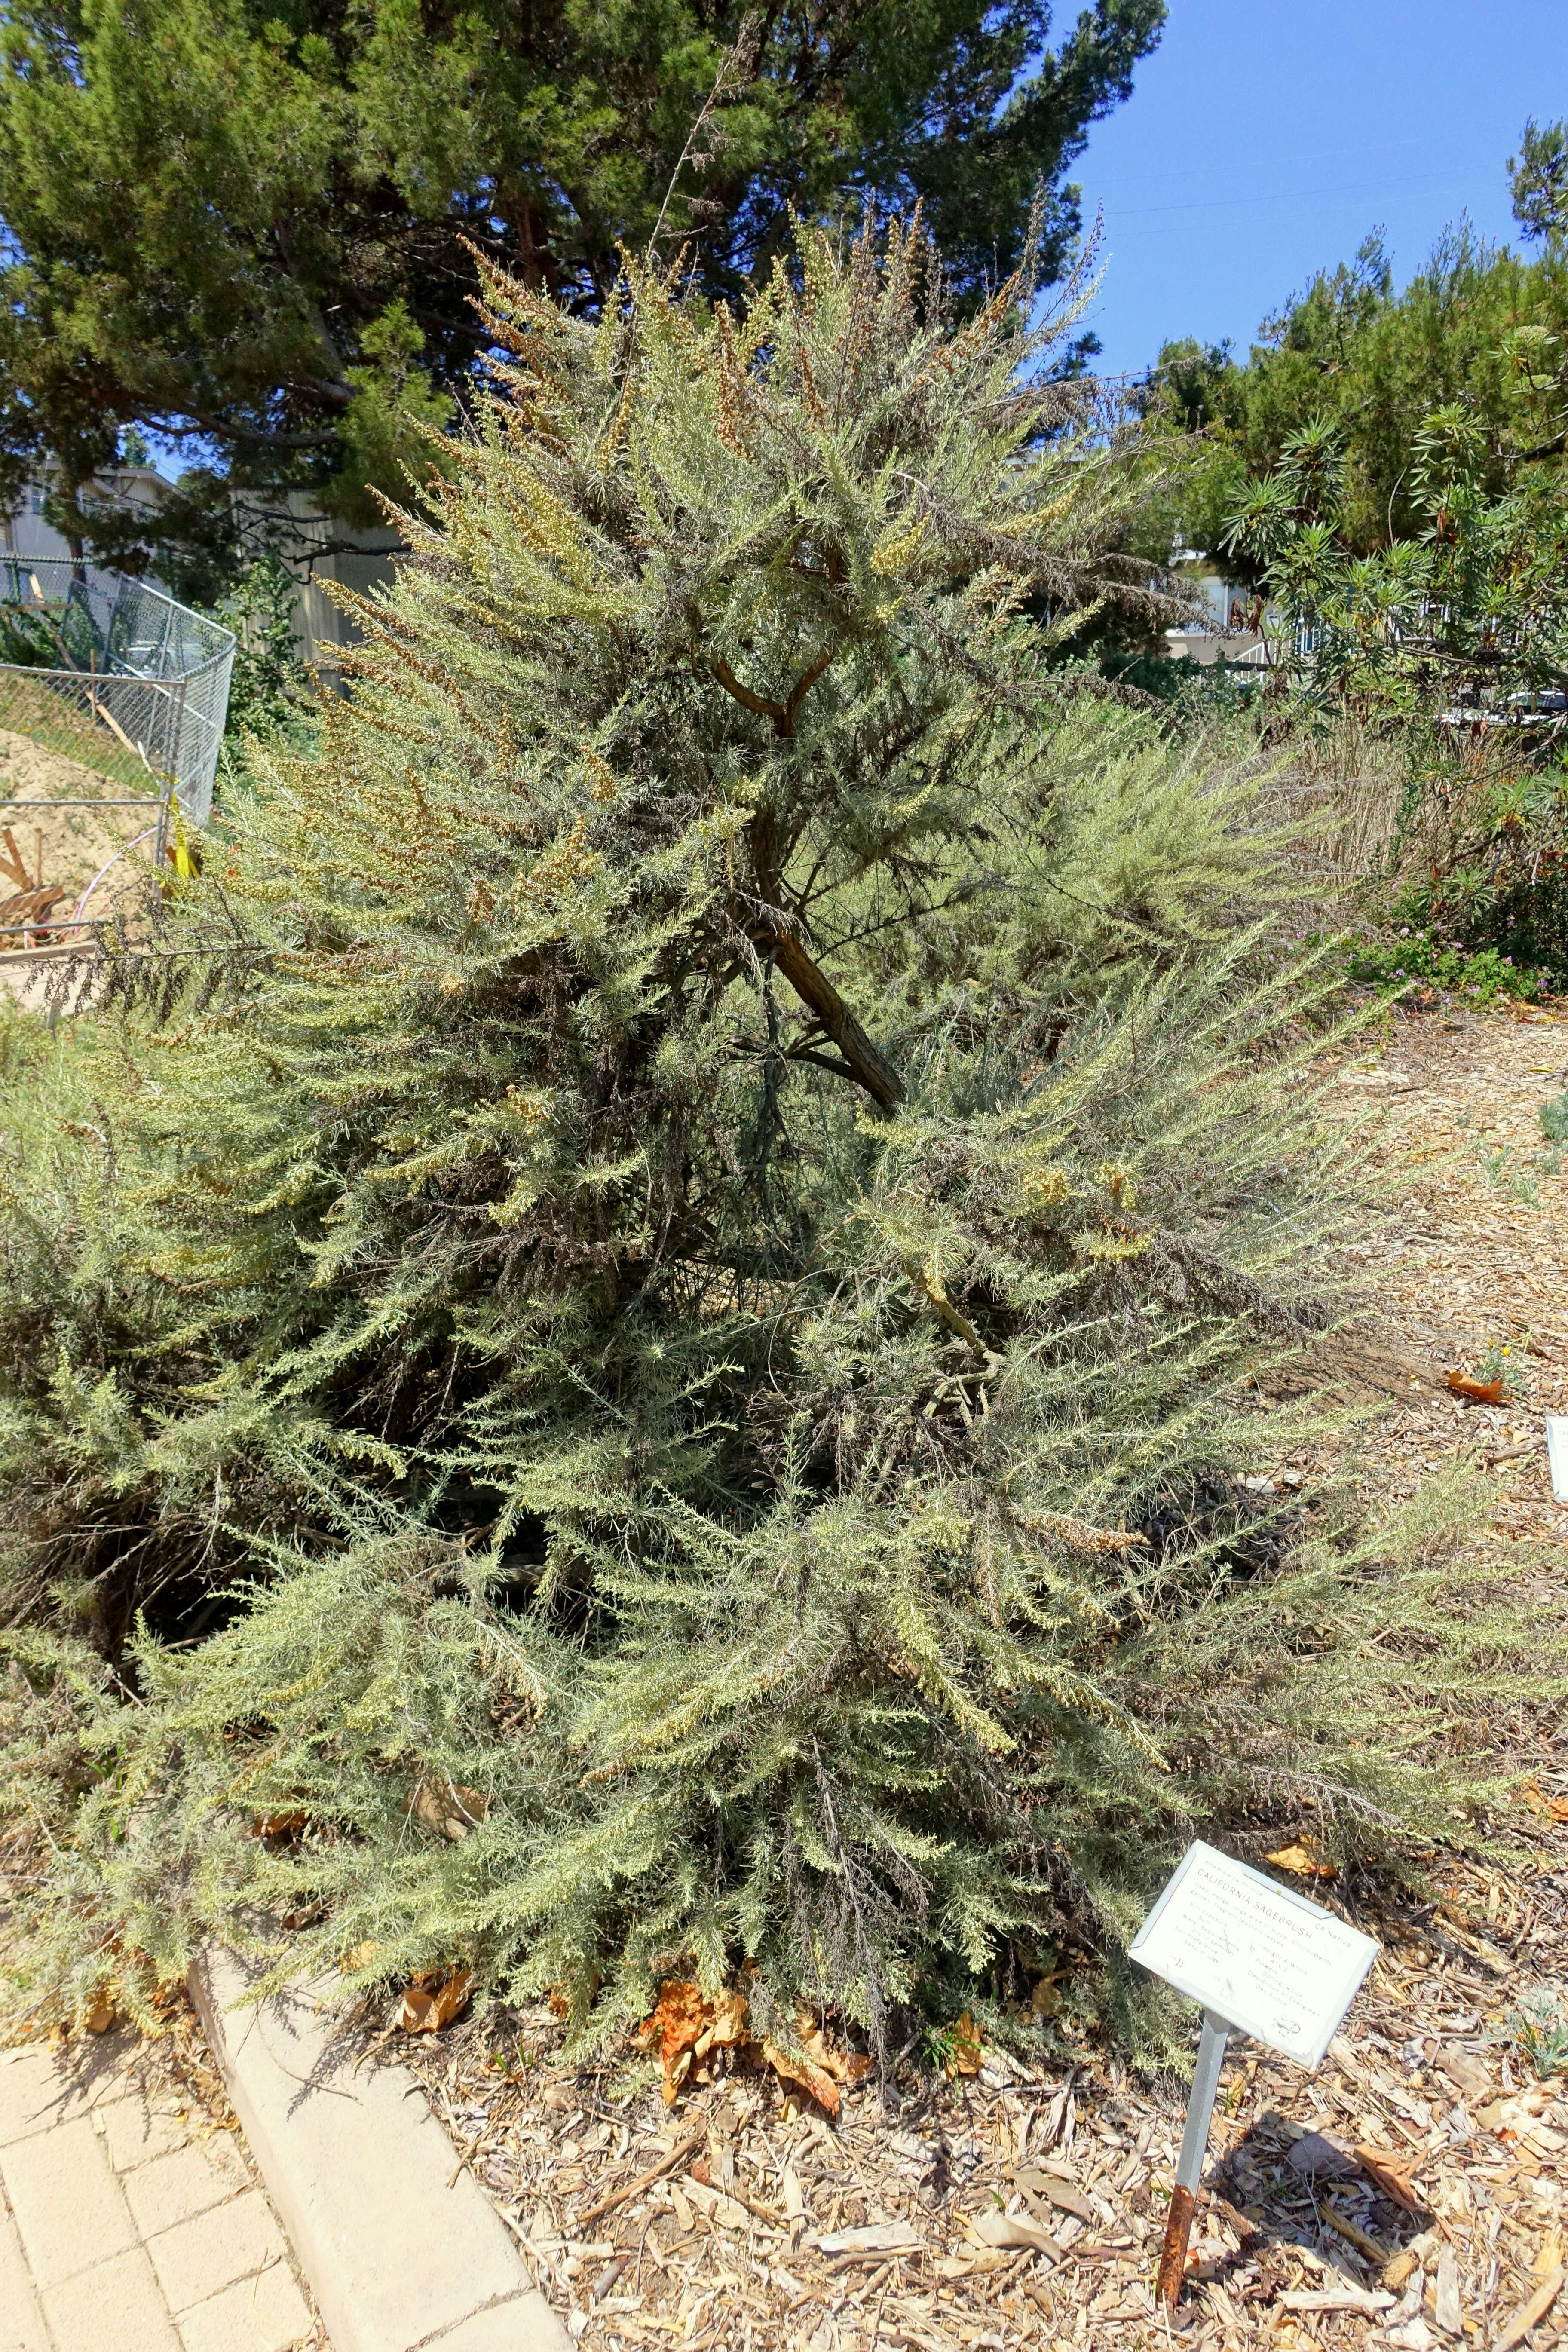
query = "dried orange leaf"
{"x": 967, "y": 2050}
{"x": 1480, "y": 1392}
{"x": 1013, "y": 2231}
{"x": 822, "y": 2086}
{"x": 686, "y": 2025}
{"x": 845, "y": 2065}
{"x": 433, "y": 2001}
{"x": 279, "y": 1828}
{"x": 1304, "y": 1858}
{"x": 674, "y": 2025}
{"x": 1392, "y": 2174}
{"x": 447, "y": 1808}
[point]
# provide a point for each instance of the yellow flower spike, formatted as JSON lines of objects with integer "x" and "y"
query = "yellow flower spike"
{"x": 895, "y": 554}
{"x": 1045, "y": 1188}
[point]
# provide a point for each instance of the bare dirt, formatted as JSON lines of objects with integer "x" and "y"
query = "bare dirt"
{"x": 1448, "y": 2229}
{"x": 68, "y": 846}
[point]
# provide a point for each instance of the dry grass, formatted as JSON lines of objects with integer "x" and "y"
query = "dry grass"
{"x": 71, "y": 845}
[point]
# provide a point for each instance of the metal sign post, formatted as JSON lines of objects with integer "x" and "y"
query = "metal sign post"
{"x": 1261, "y": 1959}
{"x": 1190, "y": 2163}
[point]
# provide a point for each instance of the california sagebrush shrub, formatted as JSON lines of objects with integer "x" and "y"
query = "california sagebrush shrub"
{"x": 681, "y": 1212}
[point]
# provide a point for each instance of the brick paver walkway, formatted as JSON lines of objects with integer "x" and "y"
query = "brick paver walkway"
{"x": 122, "y": 2230}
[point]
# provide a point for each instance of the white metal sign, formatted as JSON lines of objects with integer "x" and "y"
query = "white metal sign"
{"x": 1264, "y": 1959}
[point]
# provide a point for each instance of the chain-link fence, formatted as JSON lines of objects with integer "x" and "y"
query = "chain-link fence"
{"x": 136, "y": 677}
{"x": 112, "y": 701}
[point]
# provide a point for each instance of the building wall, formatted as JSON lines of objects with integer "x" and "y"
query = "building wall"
{"x": 318, "y": 552}
{"x": 25, "y": 534}
{"x": 322, "y": 554}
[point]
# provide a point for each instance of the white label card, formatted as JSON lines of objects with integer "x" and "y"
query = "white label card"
{"x": 1265, "y": 1959}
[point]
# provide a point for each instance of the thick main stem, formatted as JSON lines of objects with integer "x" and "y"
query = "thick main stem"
{"x": 869, "y": 1067}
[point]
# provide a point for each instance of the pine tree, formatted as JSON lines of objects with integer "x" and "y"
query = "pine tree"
{"x": 248, "y": 228}
{"x": 677, "y": 1219}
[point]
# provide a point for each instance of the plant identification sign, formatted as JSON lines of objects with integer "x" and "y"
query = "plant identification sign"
{"x": 1266, "y": 1960}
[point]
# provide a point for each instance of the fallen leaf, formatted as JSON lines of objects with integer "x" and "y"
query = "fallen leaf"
{"x": 713, "y": 2202}
{"x": 1058, "y": 2192}
{"x": 1466, "y": 2071}
{"x": 785, "y": 2064}
{"x": 845, "y": 2067}
{"x": 1317, "y": 2155}
{"x": 358, "y": 1956}
{"x": 1480, "y": 1392}
{"x": 1304, "y": 1859}
{"x": 447, "y": 1808}
{"x": 1392, "y": 2174}
{"x": 433, "y": 2001}
{"x": 967, "y": 2051}
{"x": 101, "y": 2015}
{"x": 818, "y": 2068}
{"x": 686, "y": 2025}
{"x": 1015, "y": 2230}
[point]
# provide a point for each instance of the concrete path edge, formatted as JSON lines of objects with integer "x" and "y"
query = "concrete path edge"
{"x": 400, "y": 2255}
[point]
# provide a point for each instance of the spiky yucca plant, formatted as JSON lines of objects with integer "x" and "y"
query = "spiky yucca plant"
{"x": 691, "y": 1212}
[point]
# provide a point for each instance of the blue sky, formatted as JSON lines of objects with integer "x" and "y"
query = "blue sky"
{"x": 1261, "y": 143}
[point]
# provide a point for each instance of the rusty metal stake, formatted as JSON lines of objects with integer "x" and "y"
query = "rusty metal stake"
{"x": 1190, "y": 2163}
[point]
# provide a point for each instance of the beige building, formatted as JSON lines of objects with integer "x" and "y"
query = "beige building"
{"x": 321, "y": 554}
{"x": 1227, "y": 628}
{"x": 317, "y": 550}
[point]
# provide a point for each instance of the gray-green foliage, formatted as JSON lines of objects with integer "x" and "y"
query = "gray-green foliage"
{"x": 676, "y": 1222}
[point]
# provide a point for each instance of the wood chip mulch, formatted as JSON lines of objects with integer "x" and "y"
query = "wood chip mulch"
{"x": 1412, "y": 2193}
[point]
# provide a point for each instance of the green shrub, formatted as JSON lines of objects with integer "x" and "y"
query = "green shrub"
{"x": 1481, "y": 975}
{"x": 673, "y": 1236}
